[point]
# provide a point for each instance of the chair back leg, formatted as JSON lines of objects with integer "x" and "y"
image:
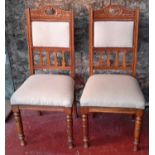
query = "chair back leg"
{"x": 19, "y": 125}
{"x": 75, "y": 109}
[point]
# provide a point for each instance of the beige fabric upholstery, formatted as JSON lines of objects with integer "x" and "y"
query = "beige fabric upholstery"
{"x": 47, "y": 90}
{"x": 112, "y": 91}
{"x": 113, "y": 33}
{"x": 50, "y": 34}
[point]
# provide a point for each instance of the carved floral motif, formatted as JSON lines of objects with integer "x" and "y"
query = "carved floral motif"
{"x": 115, "y": 10}
{"x": 50, "y": 11}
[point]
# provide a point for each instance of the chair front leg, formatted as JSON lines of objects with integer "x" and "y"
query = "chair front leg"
{"x": 85, "y": 130}
{"x": 19, "y": 126}
{"x": 138, "y": 125}
{"x": 70, "y": 130}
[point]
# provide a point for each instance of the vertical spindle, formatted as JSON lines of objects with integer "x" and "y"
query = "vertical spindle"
{"x": 100, "y": 59}
{"x": 55, "y": 59}
{"x": 48, "y": 58}
{"x": 124, "y": 59}
{"x": 108, "y": 58}
{"x": 63, "y": 59}
{"x": 41, "y": 57}
{"x": 116, "y": 58}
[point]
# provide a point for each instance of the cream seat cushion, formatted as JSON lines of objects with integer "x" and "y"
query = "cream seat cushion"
{"x": 112, "y": 91}
{"x": 47, "y": 90}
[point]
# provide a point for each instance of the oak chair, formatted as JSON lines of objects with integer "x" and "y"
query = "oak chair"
{"x": 50, "y": 34}
{"x": 113, "y": 37}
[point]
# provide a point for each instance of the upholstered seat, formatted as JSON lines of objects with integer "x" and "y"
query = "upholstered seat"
{"x": 42, "y": 89}
{"x": 112, "y": 91}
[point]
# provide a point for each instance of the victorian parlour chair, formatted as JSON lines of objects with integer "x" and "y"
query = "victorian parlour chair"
{"x": 113, "y": 34}
{"x": 51, "y": 40}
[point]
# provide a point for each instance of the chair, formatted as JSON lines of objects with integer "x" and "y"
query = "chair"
{"x": 113, "y": 34}
{"x": 51, "y": 40}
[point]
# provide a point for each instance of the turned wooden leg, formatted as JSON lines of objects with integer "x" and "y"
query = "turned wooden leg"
{"x": 75, "y": 107}
{"x": 19, "y": 126}
{"x": 85, "y": 130}
{"x": 70, "y": 130}
{"x": 137, "y": 132}
{"x": 75, "y": 110}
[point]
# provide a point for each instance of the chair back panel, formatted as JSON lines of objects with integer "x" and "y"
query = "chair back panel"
{"x": 113, "y": 34}
{"x": 51, "y": 36}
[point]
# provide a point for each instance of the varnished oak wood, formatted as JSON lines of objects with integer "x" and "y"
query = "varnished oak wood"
{"x": 113, "y": 13}
{"x": 48, "y": 14}
{"x": 70, "y": 130}
{"x": 138, "y": 125}
{"x": 19, "y": 125}
{"x": 85, "y": 129}
{"x": 75, "y": 109}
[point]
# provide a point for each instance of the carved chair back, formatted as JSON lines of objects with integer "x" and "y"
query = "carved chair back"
{"x": 51, "y": 34}
{"x": 113, "y": 34}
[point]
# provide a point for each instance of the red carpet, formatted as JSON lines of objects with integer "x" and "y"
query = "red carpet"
{"x": 110, "y": 134}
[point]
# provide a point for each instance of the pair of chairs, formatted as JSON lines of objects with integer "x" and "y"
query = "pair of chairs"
{"x": 113, "y": 31}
